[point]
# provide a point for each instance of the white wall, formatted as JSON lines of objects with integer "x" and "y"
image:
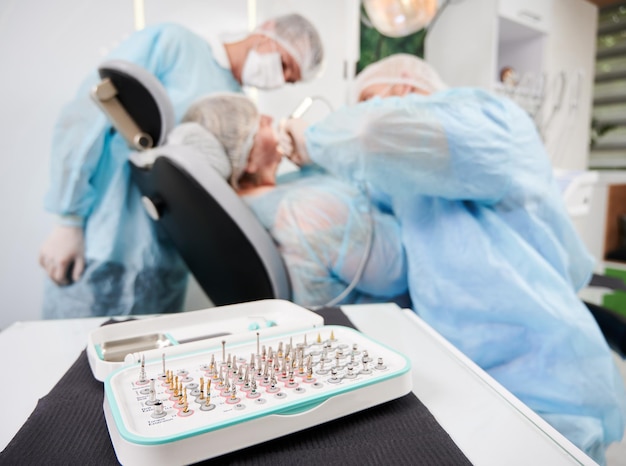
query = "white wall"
{"x": 47, "y": 47}
{"x": 571, "y": 50}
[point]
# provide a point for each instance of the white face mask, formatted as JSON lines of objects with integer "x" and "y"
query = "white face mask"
{"x": 263, "y": 71}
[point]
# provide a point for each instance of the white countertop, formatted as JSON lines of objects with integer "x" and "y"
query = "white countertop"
{"x": 487, "y": 423}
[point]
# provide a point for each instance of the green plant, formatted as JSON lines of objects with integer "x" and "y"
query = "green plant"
{"x": 598, "y": 130}
{"x": 375, "y": 46}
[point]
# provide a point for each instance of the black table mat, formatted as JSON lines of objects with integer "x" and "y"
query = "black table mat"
{"x": 606, "y": 281}
{"x": 67, "y": 427}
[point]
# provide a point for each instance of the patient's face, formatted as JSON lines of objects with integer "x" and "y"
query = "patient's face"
{"x": 264, "y": 157}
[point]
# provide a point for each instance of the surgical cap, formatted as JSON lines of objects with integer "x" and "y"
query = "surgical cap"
{"x": 300, "y": 38}
{"x": 192, "y": 134}
{"x": 234, "y": 120}
{"x": 401, "y": 68}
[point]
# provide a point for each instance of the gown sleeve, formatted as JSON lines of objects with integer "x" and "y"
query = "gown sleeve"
{"x": 453, "y": 145}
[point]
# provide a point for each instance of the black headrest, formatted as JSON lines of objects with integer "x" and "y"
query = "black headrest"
{"x": 142, "y": 96}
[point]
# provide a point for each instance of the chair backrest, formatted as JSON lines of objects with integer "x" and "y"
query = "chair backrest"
{"x": 136, "y": 103}
{"x": 228, "y": 251}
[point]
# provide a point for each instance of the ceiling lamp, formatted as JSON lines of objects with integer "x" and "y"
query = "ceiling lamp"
{"x": 399, "y": 18}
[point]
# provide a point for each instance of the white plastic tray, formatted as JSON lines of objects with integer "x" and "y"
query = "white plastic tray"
{"x": 113, "y": 346}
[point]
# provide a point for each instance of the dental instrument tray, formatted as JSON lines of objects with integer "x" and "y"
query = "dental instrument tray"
{"x": 186, "y": 403}
{"x": 112, "y": 346}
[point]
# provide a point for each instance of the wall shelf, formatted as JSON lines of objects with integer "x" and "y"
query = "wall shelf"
{"x": 609, "y": 105}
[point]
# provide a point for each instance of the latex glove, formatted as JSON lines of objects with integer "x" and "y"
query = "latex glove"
{"x": 62, "y": 254}
{"x": 291, "y": 141}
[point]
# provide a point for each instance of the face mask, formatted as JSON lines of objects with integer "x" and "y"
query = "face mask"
{"x": 263, "y": 71}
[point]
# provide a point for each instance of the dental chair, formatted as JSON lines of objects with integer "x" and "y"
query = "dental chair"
{"x": 230, "y": 254}
{"x": 228, "y": 251}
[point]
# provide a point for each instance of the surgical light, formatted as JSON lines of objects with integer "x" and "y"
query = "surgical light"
{"x": 399, "y": 18}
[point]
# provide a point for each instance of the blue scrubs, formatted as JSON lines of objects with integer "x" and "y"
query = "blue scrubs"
{"x": 131, "y": 267}
{"x": 494, "y": 262}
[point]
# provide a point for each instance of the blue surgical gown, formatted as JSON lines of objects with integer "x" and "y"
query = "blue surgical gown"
{"x": 321, "y": 225}
{"x": 132, "y": 268}
{"x": 494, "y": 262}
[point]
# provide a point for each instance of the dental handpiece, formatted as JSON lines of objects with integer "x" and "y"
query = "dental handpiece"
{"x": 302, "y": 108}
{"x": 299, "y": 111}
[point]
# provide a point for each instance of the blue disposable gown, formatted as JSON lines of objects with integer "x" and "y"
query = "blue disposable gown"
{"x": 321, "y": 225}
{"x": 493, "y": 259}
{"x": 131, "y": 267}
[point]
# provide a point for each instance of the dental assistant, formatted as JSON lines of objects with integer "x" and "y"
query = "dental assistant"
{"x": 494, "y": 262}
{"x": 105, "y": 256}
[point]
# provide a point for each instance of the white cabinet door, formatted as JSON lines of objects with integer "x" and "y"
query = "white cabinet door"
{"x": 570, "y": 58}
{"x": 532, "y": 13}
{"x": 46, "y": 50}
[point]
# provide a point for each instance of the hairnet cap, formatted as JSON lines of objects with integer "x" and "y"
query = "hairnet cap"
{"x": 192, "y": 134}
{"x": 234, "y": 120}
{"x": 400, "y": 68}
{"x": 300, "y": 38}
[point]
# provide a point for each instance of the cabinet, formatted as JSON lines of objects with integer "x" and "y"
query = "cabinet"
{"x": 550, "y": 44}
{"x": 533, "y": 14}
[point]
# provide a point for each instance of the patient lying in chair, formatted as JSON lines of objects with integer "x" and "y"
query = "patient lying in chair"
{"x": 336, "y": 247}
